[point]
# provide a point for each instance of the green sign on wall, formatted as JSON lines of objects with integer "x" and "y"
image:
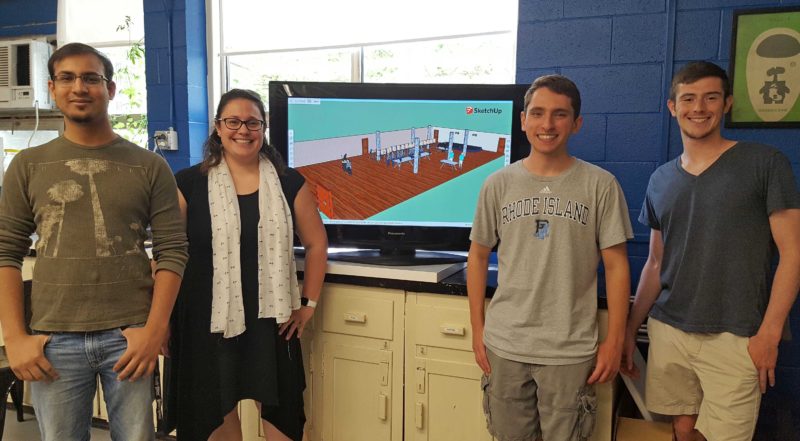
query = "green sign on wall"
{"x": 765, "y": 68}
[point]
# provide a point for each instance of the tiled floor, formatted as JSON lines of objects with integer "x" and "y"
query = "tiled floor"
{"x": 28, "y": 430}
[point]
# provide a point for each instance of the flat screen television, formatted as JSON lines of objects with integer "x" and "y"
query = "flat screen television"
{"x": 397, "y": 168}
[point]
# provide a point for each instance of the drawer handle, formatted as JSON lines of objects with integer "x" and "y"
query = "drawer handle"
{"x": 382, "y": 402}
{"x": 419, "y": 410}
{"x": 453, "y": 330}
{"x": 355, "y": 317}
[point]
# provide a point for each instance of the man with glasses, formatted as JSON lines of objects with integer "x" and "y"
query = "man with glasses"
{"x": 97, "y": 309}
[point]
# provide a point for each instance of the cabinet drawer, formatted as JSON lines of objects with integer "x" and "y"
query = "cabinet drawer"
{"x": 442, "y": 322}
{"x": 358, "y": 311}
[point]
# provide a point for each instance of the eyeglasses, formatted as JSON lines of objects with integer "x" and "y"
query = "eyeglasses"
{"x": 236, "y": 123}
{"x": 89, "y": 79}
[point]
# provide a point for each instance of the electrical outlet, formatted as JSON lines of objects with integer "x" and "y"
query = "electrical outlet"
{"x": 166, "y": 139}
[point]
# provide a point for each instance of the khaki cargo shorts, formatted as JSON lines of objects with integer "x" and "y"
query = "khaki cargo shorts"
{"x": 525, "y": 401}
{"x": 679, "y": 362}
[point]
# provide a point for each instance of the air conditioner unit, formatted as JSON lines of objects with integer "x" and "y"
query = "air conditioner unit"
{"x": 23, "y": 74}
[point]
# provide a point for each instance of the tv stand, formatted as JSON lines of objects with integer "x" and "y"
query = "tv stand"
{"x": 396, "y": 257}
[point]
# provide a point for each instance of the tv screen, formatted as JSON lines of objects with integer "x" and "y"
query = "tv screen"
{"x": 397, "y": 168}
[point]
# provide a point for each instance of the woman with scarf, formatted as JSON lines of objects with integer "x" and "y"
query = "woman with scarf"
{"x": 239, "y": 315}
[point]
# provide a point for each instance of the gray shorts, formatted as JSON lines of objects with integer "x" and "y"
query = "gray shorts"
{"x": 524, "y": 401}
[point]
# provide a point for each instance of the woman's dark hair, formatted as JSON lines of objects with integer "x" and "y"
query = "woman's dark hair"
{"x": 213, "y": 146}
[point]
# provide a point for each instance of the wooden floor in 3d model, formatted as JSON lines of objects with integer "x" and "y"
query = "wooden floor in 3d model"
{"x": 374, "y": 187}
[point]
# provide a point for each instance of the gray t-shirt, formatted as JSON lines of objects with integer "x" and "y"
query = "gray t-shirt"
{"x": 718, "y": 245}
{"x": 550, "y": 232}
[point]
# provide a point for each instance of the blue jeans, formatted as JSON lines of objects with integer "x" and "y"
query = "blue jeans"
{"x": 64, "y": 407}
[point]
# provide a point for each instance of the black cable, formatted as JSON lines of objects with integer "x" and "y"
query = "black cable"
{"x": 156, "y": 148}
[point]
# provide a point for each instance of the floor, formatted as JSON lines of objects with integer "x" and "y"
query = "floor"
{"x": 369, "y": 174}
{"x": 28, "y": 430}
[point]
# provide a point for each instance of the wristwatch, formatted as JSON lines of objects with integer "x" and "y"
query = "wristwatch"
{"x": 305, "y": 301}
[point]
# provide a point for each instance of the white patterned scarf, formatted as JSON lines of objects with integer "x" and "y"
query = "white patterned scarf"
{"x": 278, "y": 292}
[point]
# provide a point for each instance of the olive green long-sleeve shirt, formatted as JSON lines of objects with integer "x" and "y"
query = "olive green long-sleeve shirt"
{"x": 91, "y": 208}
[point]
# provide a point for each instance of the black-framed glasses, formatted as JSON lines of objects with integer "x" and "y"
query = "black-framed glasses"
{"x": 89, "y": 79}
{"x": 236, "y": 123}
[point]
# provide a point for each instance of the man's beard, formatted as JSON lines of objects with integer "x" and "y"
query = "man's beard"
{"x": 81, "y": 119}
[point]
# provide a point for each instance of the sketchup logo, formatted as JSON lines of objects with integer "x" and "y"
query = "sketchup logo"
{"x": 476, "y": 110}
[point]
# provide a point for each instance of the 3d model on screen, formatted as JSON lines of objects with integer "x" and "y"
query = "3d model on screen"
{"x": 370, "y": 160}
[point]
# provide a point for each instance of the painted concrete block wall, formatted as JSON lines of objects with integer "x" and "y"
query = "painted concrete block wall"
{"x": 621, "y": 53}
{"x": 175, "y": 44}
{"x": 22, "y": 18}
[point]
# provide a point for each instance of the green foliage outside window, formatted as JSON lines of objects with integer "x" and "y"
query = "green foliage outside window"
{"x": 131, "y": 74}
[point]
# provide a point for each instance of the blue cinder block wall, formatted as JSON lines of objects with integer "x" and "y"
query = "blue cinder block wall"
{"x": 621, "y": 54}
{"x": 20, "y": 18}
{"x": 175, "y": 57}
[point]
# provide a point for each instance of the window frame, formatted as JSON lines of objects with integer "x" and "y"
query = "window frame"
{"x": 218, "y": 59}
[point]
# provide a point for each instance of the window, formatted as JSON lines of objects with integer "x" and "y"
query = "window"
{"x": 116, "y": 28}
{"x": 414, "y": 41}
{"x": 254, "y": 71}
{"x": 479, "y": 59}
{"x": 128, "y": 109}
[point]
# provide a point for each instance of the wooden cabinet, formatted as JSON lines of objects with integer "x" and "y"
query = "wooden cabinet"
{"x": 443, "y": 395}
{"x": 606, "y": 392}
{"x": 365, "y": 344}
{"x": 357, "y": 392}
{"x": 360, "y": 344}
{"x": 353, "y": 355}
{"x": 252, "y": 429}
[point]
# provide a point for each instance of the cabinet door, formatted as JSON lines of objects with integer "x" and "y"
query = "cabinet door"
{"x": 252, "y": 430}
{"x": 445, "y": 402}
{"x": 309, "y": 344}
{"x": 357, "y": 393}
{"x": 604, "y": 423}
{"x": 99, "y": 405}
{"x": 443, "y": 393}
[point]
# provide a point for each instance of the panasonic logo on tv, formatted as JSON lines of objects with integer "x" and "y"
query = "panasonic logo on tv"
{"x": 474, "y": 110}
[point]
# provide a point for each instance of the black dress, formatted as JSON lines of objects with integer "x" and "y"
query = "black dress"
{"x": 207, "y": 375}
